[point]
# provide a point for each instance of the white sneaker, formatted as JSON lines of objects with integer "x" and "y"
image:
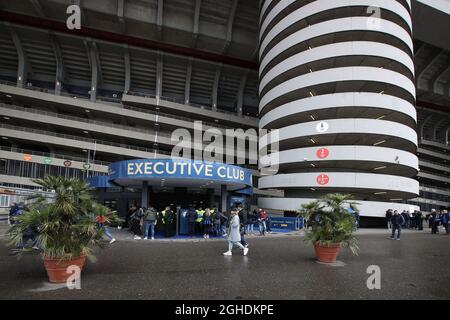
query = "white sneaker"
{"x": 137, "y": 238}
{"x": 36, "y": 248}
{"x": 228, "y": 253}
{"x": 145, "y": 238}
{"x": 153, "y": 238}
{"x": 112, "y": 240}
{"x": 245, "y": 251}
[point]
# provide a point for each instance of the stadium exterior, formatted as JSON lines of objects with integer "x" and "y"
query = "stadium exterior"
{"x": 359, "y": 90}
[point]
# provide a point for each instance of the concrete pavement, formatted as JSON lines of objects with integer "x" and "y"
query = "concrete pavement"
{"x": 280, "y": 267}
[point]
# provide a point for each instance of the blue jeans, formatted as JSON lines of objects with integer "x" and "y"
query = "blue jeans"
{"x": 262, "y": 227}
{"x": 250, "y": 227}
{"x": 217, "y": 230}
{"x": 149, "y": 224}
{"x": 107, "y": 233}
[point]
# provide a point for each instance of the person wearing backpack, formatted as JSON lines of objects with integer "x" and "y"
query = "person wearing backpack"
{"x": 150, "y": 218}
{"x": 397, "y": 221}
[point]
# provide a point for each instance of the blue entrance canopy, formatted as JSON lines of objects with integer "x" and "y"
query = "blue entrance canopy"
{"x": 175, "y": 172}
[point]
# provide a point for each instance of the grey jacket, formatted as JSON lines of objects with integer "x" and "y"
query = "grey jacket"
{"x": 234, "y": 233}
{"x": 151, "y": 214}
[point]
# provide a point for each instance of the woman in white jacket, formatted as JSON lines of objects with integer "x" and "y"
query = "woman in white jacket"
{"x": 234, "y": 234}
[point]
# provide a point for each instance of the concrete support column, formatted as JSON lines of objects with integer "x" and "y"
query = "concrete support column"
{"x": 215, "y": 90}
{"x": 224, "y": 198}
{"x": 23, "y": 65}
{"x": 145, "y": 194}
{"x": 187, "y": 87}
{"x": 159, "y": 75}
{"x": 126, "y": 56}
{"x": 240, "y": 97}
{"x": 211, "y": 198}
{"x": 94, "y": 71}
{"x": 60, "y": 72}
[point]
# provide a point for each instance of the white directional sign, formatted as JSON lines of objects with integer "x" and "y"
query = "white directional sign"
{"x": 322, "y": 127}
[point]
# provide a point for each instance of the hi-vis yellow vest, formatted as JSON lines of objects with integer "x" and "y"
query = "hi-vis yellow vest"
{"x": 163, "y": 216}
{"x": 199, "y": 215}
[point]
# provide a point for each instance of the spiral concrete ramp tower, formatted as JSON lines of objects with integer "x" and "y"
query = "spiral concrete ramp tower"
{"x": 337, "y": 81}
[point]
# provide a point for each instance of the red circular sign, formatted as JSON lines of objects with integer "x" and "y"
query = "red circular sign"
{"x": 322, "y": 153}
{"x": 323, "y": 179}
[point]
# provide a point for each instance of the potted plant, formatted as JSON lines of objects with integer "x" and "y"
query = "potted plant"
{"x": 332, "y": 224}
{"x": 65, "y": 224}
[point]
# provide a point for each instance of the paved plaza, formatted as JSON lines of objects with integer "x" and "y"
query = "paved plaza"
{"x": 279, "y": 266}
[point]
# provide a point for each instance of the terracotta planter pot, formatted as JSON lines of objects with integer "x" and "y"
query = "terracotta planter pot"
{"x": 327, "y": 254}
{"x": 57, "y": 270}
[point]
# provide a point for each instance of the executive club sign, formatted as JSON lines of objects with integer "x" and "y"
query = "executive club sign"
{"x": 179, "y": 169}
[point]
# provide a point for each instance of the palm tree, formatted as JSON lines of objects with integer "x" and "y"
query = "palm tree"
{"x": 331, "y": 221}
{"x": 66, "y": 223}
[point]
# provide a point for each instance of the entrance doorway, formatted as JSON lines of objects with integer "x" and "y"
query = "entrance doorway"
{"x": 159, "y": 200}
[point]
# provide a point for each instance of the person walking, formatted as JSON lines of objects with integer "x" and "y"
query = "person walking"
{"x": 243, "y": 212}
{"x": 216, "y": 223}
{"x": 135, "y": 220}
{"x": 252, "y": 218}
{"x": 224, "y": 222}
{"x": 128, "y": 220}
{"x": 434, "y": 217}
{"x": 206, "y": 223}
{"x": 388, "y": 218}
{"x": 150, "y": 218}
{"x": 13, "y": 211}
{"x": 234, "y": 233}
{"x": 262, "y": 217}
{"x": 101, "y": 225}
{"x": 419, "y": 220}
{"x": 397, "y": 221}
{"x": 269, "y": 224}
{"x": 192, "y": 217}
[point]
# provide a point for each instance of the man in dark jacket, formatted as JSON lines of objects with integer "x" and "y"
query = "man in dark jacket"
{"x": 243, "y": 212}
{"x": 168, "y": 217}
{"x": 434, "y": 218}
{"x": 191, "y": 216}
{"x": 419, "y": 220}
{"x": 388, "y": 218}
{"x": 397, "y": 221}
{"x": 13, "y": 211}
{"x": 405, "y": 216}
